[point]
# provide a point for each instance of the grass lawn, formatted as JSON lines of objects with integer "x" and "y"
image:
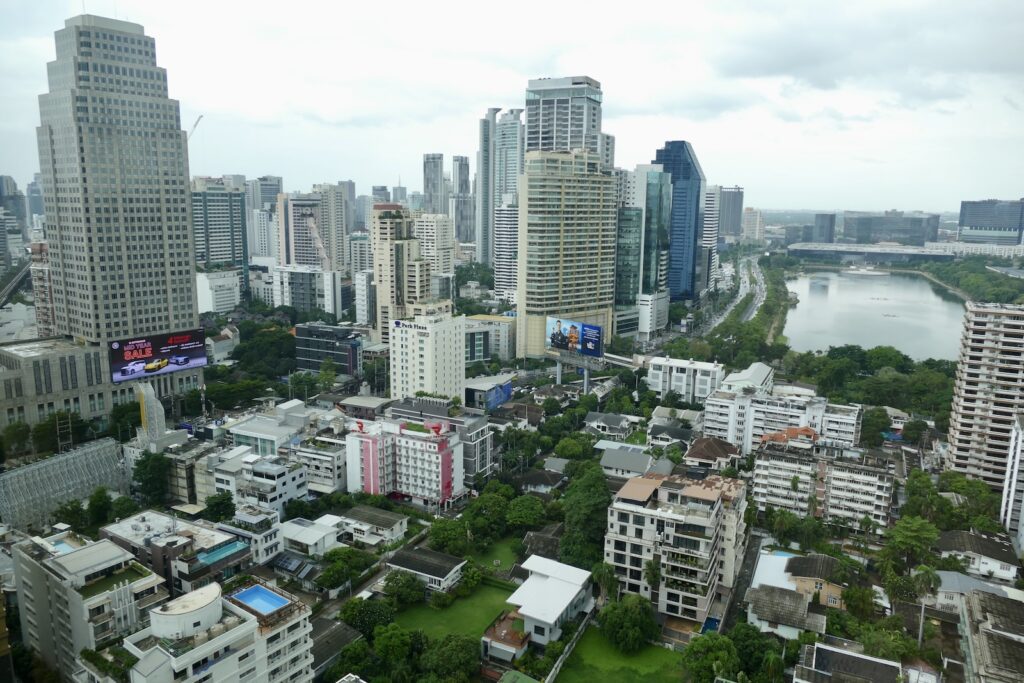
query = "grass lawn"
{"x": 499, "y": 550}
{"x": 639, "y": 438}
{"x": 595, "y": 659}
{"x": 468, "y": 616}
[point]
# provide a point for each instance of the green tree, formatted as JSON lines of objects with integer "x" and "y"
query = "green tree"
{"x": 17, "y": 437}
{"x": 752, "y": 647}
{"x": 73, "y": 514}
{"x": 377, "y": 374}
{"x": 586, "y": 503}
{"x": 392, "y": 643}
{"x": 909, "y": 542}
{"x": 449, "y": 536}
{"x": 629, "y": 623}
{"x": 927, "y": 580}
{"x": 772, "y": 667}
{"x": 455, "y": 657}
{"x": 709, "y": 656}
{"x": 603, "y": 574}
{"x": 123, "y": 419}
{"x": 525, "y": 512}
{"x": 328, "y": 373}
{"x": 219, "y": 507}
{"x": 123, "y": 507}
{"x": 366, "y": 615}
{"x": 100, "y": 507}
{"x": 652, "y": 574}
{"x": 403, "y": 587}
{"x": 501, "y": 489}
{"x": 914, "y": 430}
{"x": 151, "y": 474}
{"x": 551, "y": 406}
{"x": 860, "y": 602}
{"x": 874, "y": 422}
{"x": 44, "y": 434}
{"x": 485, "y": 517}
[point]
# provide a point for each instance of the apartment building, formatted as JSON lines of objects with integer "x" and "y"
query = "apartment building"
{"x": 421, "y": 462}
{"x": 75, "y": 594}
{"x": 323, "y": 457}
{"x": 692, "y": 380}
{"x": 267, "y": 481}
{"x": 838, "y": 485}
{"x": 259, "y": 527}
{"x": 692, "y": 529}
{"x": 255, "y": 633}
{"x": 428, "y": 354}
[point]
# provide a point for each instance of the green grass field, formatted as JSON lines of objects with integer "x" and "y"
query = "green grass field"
{"x": 595, "y": 659}
{"x": 468, "y": 616}
{"x": 500, "y": 550}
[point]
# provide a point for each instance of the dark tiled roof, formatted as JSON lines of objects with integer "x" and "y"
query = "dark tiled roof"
{"x": 709, "y": 448}
{"x": 847, "y": 667}
{"x": 784, "y": 606}
{"x": 374, "y": 516}
{"x": 540, "y": 478}
{"x": 425, "y": 561}
{"x": 547, "y": 542}
{"x": 997, "y": 547}
{"x": 680, "y": 433}
{"x": 812, "y": 566}
{"x": 608, "y": 419}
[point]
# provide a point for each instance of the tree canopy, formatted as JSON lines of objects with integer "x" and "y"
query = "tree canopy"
{"x": 629, "y": 623}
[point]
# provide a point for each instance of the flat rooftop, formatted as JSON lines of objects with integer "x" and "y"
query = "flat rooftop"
{"x": 163, "y": 529}
{"x": 34, "y": 348}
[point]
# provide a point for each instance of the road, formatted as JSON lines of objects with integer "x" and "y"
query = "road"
{"x": 739, "y": 591}
{"x": 759, "y": 291}
{"x": 744, "y": 289}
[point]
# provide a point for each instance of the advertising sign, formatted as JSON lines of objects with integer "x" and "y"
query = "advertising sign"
{"x": 569, "y": 336}
{"x": 157, "y": 355}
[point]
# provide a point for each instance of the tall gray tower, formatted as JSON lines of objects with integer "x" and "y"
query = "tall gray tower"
{"x": 461, "y": 201}
{"x": 114, "y": 170}
{"x": 433, "y": 184}
{"x": 564, "y": 114}
{"x": 484, "y": 219}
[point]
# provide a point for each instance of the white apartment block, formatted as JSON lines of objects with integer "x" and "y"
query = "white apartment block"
{"x": 428, "y": 354}
{"x": 753, "y": 225}
{"x": 360, "y": 251}
{"x": 436, "y": 233}
{"x": 759, "y": 378}
{"x": 401, "y": 274}
{"x": 838, "y": 485}
{"x": 265, "y": 481}
{"x": 423, "y": 462}
{"x": 263, "y": 233}
{"x": 693, "y": 380}
{"x": 259, "y": 527}
{"x": 500, "y": 332}
{"x": 324, "y": 459}
{"x": 219, "y": 291}
{"x": 1013, "y": 486}
{"x": 334, "y": 210}
{"x": 74, "y": 594}
{"x": 988, "y": 392}
{"x": 255, "y": 633}
{"x": 308, "y": 288}
{"x": 692, "y": 529}
{"x": 366, "y": 298}
{"x": 743, "y": 419}
{"x": 506, "y": 250}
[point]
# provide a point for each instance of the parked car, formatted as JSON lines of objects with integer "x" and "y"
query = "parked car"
{"x": 133, "y": 367}
{"x": 156, "y": 364}
{"x": 180, "y": 360}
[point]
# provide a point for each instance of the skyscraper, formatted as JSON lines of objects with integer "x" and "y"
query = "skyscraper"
{"x": 218, "y": 218}
{"x": 709, "y": 231}
{"x": 381, "y": 194}
{"x": 991, "y": 221}
{"x": 753, "y": 225}
{"x": 688, "y": 266}
{"x": 262, "y": 191}
{"x": 114, "y": 168}
{"x": 436, "y": 234}
{"x": 300, "y": 237}
{"x": 401, "y": 275}
{"x": 509, "y": 139}
{"x": 12, "y": 201}
{"x": 34, "y": 196}
{"x": 434, "y": 200}
{"x": 484, "y": 233}
{"x": 334, "y": 210}
{"x": 824, "y": 228}
{"x": 988, "y": 392}
{"x": 264, "y": 233}
{"x": 506, "y": 251}
{"x": 563, "y": 114}
{"x": 730, "y": 211}
{"x": 399, "y": 195}
{"x": 460, "y": 204}
{"x": 567, "y": 228}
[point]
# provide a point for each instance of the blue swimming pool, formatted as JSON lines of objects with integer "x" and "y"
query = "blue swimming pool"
{"x": 261, "y": 599}
{"x": 782, "y": 553}
{"x": 62, "y": 547}
{"x": 211, "y": 556}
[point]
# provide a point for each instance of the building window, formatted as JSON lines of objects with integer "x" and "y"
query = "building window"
{"x": 539, "y": 630}
{"x": 832, "y": 601}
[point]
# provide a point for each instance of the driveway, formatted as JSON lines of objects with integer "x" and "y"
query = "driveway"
{"x": 743, "y": 581}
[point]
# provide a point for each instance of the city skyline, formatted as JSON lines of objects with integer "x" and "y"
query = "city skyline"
{"x": 754, "y": 92}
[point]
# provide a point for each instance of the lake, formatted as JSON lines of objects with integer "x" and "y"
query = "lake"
{"x": 905, "y": 311}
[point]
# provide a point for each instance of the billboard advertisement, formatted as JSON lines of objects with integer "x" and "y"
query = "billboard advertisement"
{"x": 568, "y": 336}
{"x": 157, "y": 355}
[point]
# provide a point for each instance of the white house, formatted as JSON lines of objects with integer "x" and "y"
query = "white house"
{"x": 554, "y": 594}
{"x": 438, "y": 571}
{"x": 370, "y": 525}
{"x": 310, "y": 538}
{"x": 989, "y": 556}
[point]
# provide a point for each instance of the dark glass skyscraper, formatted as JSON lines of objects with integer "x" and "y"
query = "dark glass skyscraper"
{"x": 686, "y": 267}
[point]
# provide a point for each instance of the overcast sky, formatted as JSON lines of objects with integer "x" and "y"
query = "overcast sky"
{"x": 856, "y": 105}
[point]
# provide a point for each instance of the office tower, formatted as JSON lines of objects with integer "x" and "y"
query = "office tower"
{"x": 483, "y": 234}
{"x": 991, "y": 221}
{"x": 366, "y": 298}
{"x": 428, "y": 354}
{"x": 730, "y": 211}
{"x": 139, "y": 278}
{"x": 709, "y": 211}
{"x": 259, "y": 192}
{"x": 753, "y": 225}
{"x": 415, "y": 201}
{"x": 642, "y": 248}
{"x": 399, "y": 194}
{"x": 301, "y": 241}
{"x": 564, "y": 114}
{"x": 687, "y": 270}
{"x": 264, "y": 233}
{"x": 506, "y": 250}
{"x": 824, "y": 229}
{"x": 509, "y": 140}
{"x": 218, "y": 219}
{"x": 348, "y": 189}
{"x": 460, "y": 202}
{"x": 401, "y": 275}
{"x": 34, "y": 196}
{"x": 567, "y": 228}
{"x": 381, "y": 194}
{"x": 988, "y": 392}
{"x": 906, "y": 227}
{"x": 364, "y": 211}
{"x": 42, "y": 289}
{"x": 434, "y": 200}
{"x": 436, "y": 234}
{"x": 360, "y": 251}
{"x": 334, "y": 210}
{"x": 13, "y": 202}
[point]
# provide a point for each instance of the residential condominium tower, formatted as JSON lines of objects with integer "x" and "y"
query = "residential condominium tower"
{"x": 435, "y": 198}
{"x": 401, "y": 275}
{"x": 219, "y": 220}
{"x": 436, "y": 233}
{"x": 563, "y": 114}
{"x": 483, "y": 234}
{"x": 499, "y": 164}
{"x": 567, "y": 232}
{"x": 460, "y": 202}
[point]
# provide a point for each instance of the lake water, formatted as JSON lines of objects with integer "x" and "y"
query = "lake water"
{"x": 905, "y": 311}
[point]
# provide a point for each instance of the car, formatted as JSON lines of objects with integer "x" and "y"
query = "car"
{"x": 180, "y": 360}
{"x": 133, "y": 367}
{"x": 156, "y": 364}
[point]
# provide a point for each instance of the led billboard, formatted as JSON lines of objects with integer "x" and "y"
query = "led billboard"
{"x": 157, "y": 355}
{"x": 568, "y": 336}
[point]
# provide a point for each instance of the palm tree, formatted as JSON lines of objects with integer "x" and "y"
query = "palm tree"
{"x": 772, "y": 666}
{"x": 605, "y": 578}
{"x": 927, "y": 580}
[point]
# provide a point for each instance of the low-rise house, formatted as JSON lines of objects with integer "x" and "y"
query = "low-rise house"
{"x": 712, "y": 453}
{"x": 821, "y": 662}
{"x": 665, "y": 435}
{"x": 372, "y": 526}
{"x": 546, "y": 542}
{"x": 810, "y": 575}
{"x": 539, "y": 481}
{"x": 563, "y": 393}
{"x": 992, "y": 630}
{"x": 623, "y": 464}
{"x": 989, "y": 556}
{"x": 310, "y": 538}
{"x": 955, "y": 587}
{"x": 784, "y": 612}
{"x": 437, "y": 571}
{"x": 608, "y": 424}
{"x": 555, "y": 464}
{"x": 220, "y": 345}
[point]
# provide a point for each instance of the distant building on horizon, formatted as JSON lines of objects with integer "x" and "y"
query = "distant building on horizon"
{"x": 753, "y": 225}
{"x": 991, "y": 221}
{"x": 435, "y": 199}
{"x": 912, "y": 228}
{"x": 689, "y": 262}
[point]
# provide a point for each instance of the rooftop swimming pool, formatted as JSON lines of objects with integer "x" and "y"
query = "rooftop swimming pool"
{"x": 261, "y": 599}
{"x": 211, "y": 556}
{"x": 782, "y": 553}
{"x": 63, "y": 547}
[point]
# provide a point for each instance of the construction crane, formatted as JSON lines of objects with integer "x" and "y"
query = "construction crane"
{"x": 194, "y": 126}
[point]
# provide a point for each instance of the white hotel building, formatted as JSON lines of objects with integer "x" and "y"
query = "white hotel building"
{"x": 428, "y": 354}
{"x": 693, "y": 380}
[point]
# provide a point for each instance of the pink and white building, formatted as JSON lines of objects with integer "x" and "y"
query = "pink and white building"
{"x": 389, "y": 457}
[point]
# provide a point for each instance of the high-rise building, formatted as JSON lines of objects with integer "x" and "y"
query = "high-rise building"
{"x": 688, "y": 264}
{"x": 34, "y": 196}
{"x": 709, "y": 231}
{"x": 219, "y": 221}
{"x": 366, "y": 298}
{"x": 262, "y": 192}
{"x": 753, "y": 225}
{"x": 479, "y": 456}
{"x": 506, "y": 250}
{"x": 461, "y": 202}
{"x": 381, "y": 194}
{"x": 264, "y": 233}
{"x": 483, "y": 220}
{"x": 364, "y": 211}
{"x": 311, "y": 288}
{"x": 437, "y": 241}
{"x": 360, "y": 251}
{"x": 988, "y": 392}
{"x": 301, "y": 240}
{"x": 567, "y": 230}
{"x": 13, "y": 202}
{"x": 220, "y": 291}
{"x": 563, "y": 114}
{"x": 991, "y": 221}
{"x": 399, "y": 194}
{"x": 824, "y": 229}
{"x": 127, "y": 198}
{"x": 906, "y": 227}
{"x": 509, "y": 139}
{"x": 334, "y": 210}
{"x": 1010, "y": 511}
{"x": 42, "y": 288}
{"x": 434, "y": 196}
{"x": 730, "y": 211}
{"x": 401, "y": 275}
{"x": 415, "y": 201}
{"x": 428, "y": 354}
